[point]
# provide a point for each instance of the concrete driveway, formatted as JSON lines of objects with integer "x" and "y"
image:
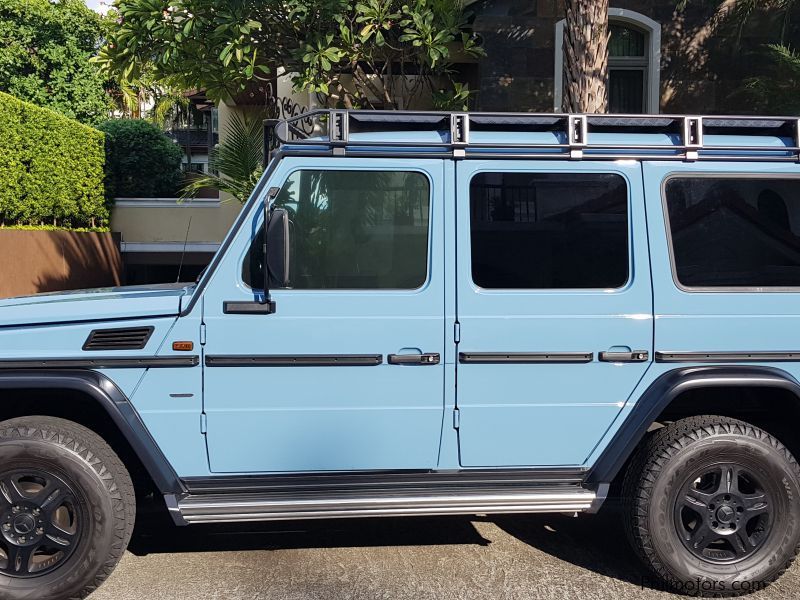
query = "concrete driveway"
{"x": 533, "y": 556}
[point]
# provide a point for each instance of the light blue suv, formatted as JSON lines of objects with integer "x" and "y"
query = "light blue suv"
{"x": 460, "y": 314}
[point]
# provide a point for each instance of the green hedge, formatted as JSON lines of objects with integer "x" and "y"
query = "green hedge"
{"x": 51, "y": 168}
{"x": 141, "y": 162}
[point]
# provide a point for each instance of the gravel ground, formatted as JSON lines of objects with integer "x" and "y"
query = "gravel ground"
{"x": 548, "y": 557}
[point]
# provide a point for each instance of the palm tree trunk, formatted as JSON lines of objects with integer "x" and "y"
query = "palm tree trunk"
{"x": 586, "y": 56}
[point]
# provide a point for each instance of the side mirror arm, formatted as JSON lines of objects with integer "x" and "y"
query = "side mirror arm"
{"x": 267, "y": 298}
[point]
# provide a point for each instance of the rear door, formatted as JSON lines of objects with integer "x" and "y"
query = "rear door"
{"x": 554, "y": 307}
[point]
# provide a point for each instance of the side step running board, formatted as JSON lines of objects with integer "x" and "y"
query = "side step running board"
{"x": 222, "y": 508}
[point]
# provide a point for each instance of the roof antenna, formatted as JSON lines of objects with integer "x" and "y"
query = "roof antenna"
{"x": 183, "y": 254}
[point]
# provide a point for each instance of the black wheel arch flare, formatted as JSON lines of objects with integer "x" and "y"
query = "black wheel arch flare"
{"x": 667, "y": 388}
{"x": 115, "y": 403}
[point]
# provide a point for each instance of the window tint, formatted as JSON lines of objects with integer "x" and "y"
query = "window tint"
{"x": 352, "y": 230}
{"x": 549, "y": 230}
{"x": 735, "y": 232}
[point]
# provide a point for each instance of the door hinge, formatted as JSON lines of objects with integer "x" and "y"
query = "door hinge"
{"x": 456, "y": 419}
{"x": 202, "y": 333}
{"x": 457, "y": 332}
{"x": 203, "y": 423}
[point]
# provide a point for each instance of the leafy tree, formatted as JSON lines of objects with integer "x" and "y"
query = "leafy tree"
{"x": 45, "y": 51}
{"x": 140, "y": 160}
{"x": 357, "y": 53}
{"x": 236, "y": 163}
{"x": 586, "y": 56}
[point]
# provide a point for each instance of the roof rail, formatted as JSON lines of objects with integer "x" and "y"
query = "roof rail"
{"x": 333, "y": 131}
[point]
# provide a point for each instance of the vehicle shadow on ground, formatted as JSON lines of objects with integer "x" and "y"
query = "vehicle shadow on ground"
{"x": 157, "y": 537}
{"x": 595, "y": 543}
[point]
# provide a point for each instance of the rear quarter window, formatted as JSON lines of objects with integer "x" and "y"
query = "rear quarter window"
{"x": 734, "y": 232}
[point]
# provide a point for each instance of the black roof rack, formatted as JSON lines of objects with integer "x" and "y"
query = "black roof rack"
{"x": 330, "y": 131}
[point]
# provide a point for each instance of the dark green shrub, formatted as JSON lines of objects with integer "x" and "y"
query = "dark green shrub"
{"x": 141, "y": 162}
{"x": 51, "y": 168}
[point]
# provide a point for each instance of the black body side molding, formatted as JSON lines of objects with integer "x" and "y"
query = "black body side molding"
{"x": 115, "y": 403}
{"x": 663, "y": 391}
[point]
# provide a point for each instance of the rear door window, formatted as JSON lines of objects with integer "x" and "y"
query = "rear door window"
{"x": 549, "y": 230}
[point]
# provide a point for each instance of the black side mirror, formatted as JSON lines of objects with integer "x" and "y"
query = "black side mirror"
{"x": 278, "y": 248}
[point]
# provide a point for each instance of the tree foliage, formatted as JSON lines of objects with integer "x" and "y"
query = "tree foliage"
{"x": 45, "y": 51}
{"x": 141, "y": 162}
{"x": 236, "y": 163}
{"x": 51, "y": 168}
{"x": 357, "y": 53}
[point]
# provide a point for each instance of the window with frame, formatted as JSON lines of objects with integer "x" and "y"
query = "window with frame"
{"x": 352, "y": 230}
{"x": 549, "y": 230}
{"x": 627, "y": 69}
{"x": 734, "y": 232}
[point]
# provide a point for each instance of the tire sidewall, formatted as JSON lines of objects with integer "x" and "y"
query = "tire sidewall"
{"x": 777, "y": 474}
{"x": 97, "y": 510}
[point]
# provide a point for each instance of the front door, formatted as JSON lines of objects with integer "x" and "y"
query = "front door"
{"x": 554, "y": 306}
{"x": 347, "y": 373}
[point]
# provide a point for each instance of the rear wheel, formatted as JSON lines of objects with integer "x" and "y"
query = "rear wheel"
{"x": 67, "y": 509}
{"x": 713, "y": 506}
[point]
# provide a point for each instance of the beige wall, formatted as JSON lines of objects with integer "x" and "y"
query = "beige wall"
{"x": 157, "y": 224}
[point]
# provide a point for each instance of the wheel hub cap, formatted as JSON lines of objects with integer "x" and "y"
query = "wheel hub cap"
{"x": 725, "y": 514}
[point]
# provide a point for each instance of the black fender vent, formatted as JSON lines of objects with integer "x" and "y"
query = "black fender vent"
{"x": 130, "y": 338}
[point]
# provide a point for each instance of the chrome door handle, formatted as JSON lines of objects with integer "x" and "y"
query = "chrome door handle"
{"x": 429, "y": 358}
{"x": 633, "y": 356}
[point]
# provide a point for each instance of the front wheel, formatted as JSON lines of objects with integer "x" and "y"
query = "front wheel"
{"x": 67, "y": 509}
{"x": 713, "y": 506}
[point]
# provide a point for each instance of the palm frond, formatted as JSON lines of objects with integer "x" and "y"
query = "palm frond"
{"x": 236, "y": 163}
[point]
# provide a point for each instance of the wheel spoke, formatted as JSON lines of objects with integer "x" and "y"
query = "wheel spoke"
{"x": 701, "y": 536}
{"x": 19, "y": 558}
{"x": 696, "y": 499}
{"x": 741, "y": 542}
{"x": 755, "y": 504}
{"x": 10, "y": 493}
{"x": 51, "y": 497}
{"x": 59, "y": 536}
{"x": 728, "y": 479}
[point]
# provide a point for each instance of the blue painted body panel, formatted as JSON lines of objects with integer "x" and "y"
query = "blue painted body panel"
{"x": 224, "y": 420}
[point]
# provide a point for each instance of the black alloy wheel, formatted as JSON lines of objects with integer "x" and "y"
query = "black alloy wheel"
{"x": 723, "y": 513}
{"x": 41, "y": 517}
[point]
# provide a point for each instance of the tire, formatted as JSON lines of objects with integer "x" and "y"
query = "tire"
{"x": 67, "y": 509}
{"x": 712, "y": 507}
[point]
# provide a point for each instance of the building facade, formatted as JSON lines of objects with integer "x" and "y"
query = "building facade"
{"x": 665, "y": 56}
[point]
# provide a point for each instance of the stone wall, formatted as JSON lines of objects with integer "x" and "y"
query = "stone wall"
{"x": 706, "y": 55}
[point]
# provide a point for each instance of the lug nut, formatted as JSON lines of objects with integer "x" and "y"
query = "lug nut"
{"x": 22, "y": 539}
{"x": 39, "y": 531}
{"x": 36, "y": 512}
{"x": 6, "y": 526}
